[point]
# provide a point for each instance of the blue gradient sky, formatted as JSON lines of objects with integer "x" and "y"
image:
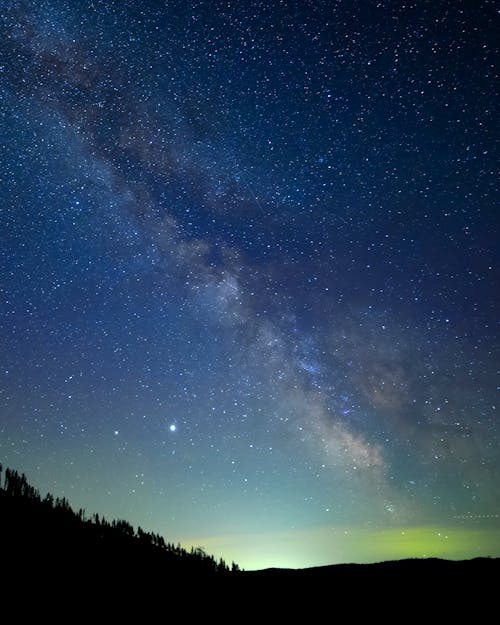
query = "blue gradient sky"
{"x": 272, "y": 226}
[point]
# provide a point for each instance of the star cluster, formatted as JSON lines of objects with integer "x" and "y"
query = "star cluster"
{"x": 248, "y": 269}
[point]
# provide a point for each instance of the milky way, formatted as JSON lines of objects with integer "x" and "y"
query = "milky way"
{"x": 247, "y": 271}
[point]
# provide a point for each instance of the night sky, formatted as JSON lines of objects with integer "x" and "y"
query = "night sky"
{"x": 248, "y": 271}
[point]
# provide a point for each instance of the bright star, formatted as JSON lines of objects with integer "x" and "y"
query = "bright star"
{"x": 172, "y": 427}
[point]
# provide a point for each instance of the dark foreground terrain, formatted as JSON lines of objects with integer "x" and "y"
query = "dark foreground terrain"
{"x": 52, "y": 556}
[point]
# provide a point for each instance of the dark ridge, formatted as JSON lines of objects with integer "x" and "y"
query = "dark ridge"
{"x": 46, "y": 537}
{"x": 49, "y": 551}
{"x": 407, "y": 567}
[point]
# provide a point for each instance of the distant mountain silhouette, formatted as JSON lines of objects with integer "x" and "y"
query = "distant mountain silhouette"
{"x": 48, "y": 549}
{"x": 410, "y": 570}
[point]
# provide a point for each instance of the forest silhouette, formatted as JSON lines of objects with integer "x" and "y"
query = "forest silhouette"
{"x": 45, "y": 544}
{"x": 48, "y": 529}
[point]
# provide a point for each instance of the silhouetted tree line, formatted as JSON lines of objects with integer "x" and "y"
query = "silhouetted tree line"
{"x": 48, "y": 528}
{"x": 52, "y": 556}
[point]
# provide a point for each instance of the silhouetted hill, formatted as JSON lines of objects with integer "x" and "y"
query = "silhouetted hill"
{"x": 409, "y": 570}
{"x": 48, "y": 550}
{"x": 44, "y": 540}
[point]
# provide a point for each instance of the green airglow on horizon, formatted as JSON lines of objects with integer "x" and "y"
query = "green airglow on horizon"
{"x": 326, "y": 545}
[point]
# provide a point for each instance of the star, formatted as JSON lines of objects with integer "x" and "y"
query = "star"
{"x": 252, "y": 246}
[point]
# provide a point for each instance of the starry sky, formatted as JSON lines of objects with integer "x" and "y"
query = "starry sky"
{"x": 248, "y": 271}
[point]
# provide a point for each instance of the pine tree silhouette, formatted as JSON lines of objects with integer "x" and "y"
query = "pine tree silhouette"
{"x": 48, "y": 530}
